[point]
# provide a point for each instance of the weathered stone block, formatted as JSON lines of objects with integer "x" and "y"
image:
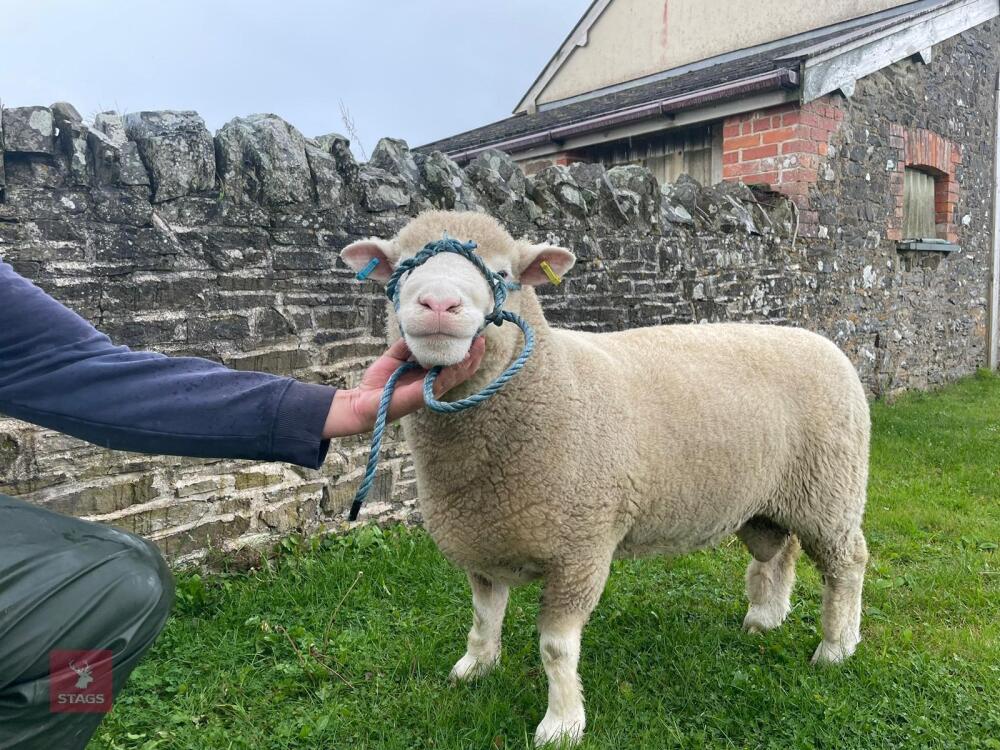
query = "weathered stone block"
{"x": 184, "y": 294}
{"x": 346, "y": 318}
{"x": 72, "y": 137}
{"x": 133, "y": 171}
{"x": 106, "y": 156}
{"x": 178, "y": 152}
{"x": 279, "y": 361}
{"x": 76, "y": 149}
{"x": 446, "y": 184}
{"x": 207, "y": 535}
{"x": 381, "y": 191}
{"x": 327, "y": 180}
{"x": 33, "y": 170}
{"x": 637, "y": 191}
{"x": 39, "y": 202}
{"x": 296, "y": 514}
{"x": 10, "y": 449}
{"x": 339, "y": 148}
{"x": 29, "y": 130}
{"x": 94, "y": 501}
{"x": 225, "y": 328}
{"x": 153, "y": 520}
{"x": 558, "y": 195}
{"x": 393, "y": 155}
{"x": 141, "y": 248}
{"x": 116, "y": 158}
{"x": 112, "y": 125}
{"x": 249, "y": 480}
{"x": 271, "y": 324}
{"x": 225, "y": 248}
{"x": 353, "y": 350}
{"x": 199, "y": 488}
{"x": 262, "y": 158}
{"x": 129, "y": 207}
{"x": 301, "y": 259}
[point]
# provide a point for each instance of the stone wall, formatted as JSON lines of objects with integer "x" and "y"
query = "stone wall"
{"x": 226, "y": 246}
{"x": 909, "y": 319}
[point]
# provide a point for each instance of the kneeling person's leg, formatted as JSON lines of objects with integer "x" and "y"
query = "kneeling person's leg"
{"x": 70, "y": 585}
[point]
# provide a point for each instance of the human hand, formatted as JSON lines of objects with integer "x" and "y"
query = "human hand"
{"x": 353, "y": 410}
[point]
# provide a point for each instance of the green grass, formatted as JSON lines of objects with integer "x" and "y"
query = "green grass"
{"x": 347, "y": 642}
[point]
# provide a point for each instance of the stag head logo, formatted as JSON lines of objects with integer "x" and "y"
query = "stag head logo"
{"x": 80, "y": 681}
{"x": 83, "y": 674}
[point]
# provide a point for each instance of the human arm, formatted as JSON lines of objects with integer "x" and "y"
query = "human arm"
{"x": 58, "y": 371}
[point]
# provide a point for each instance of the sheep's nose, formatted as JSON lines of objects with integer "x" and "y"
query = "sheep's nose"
{"x": 440, "y": 304}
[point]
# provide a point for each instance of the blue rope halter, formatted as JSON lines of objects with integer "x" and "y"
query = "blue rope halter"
{"x": 500, "y": 288}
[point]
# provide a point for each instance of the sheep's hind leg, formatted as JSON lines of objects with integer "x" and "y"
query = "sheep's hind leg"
{"x": 567, "y": 602}
{"x": 843, "y": 569}
{"x": 489, "y": 603}
{"x": 770, "y": 575}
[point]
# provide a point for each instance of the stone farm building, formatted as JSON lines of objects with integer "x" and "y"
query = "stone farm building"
{"x": 867, "y": 129}
{"x": 900, "y": 95}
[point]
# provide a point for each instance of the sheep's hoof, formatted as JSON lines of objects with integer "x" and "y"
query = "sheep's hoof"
{"x": 470, "y": 667}
{"x": 559, "y": 732}
{"x": 829, "y": 652}
{"x": 761, "y": 618}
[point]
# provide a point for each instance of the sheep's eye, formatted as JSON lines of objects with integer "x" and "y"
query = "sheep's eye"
{"x": 503, "y": 274}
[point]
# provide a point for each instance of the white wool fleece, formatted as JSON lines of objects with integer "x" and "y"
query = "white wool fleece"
{"x": 656, "y": 440}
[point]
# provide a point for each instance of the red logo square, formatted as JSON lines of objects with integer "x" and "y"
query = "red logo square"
{"x": 80, "y": 681}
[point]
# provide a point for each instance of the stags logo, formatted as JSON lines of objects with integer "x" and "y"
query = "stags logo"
{"x": 84, "y": 675}
{"x": 80, "y": 681}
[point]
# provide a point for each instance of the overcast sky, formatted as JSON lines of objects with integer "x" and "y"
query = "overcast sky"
{"x": 416, "y": 69}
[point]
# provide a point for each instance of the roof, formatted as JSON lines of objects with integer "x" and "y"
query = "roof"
{"x": 524, "y": 124}
{"x": 732, "y": 75}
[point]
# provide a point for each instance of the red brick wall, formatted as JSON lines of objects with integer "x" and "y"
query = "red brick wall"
{"x": 782, "y": 147}
{"x": 785, "y": 147}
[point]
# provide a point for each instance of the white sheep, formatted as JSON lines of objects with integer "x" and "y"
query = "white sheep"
{"x": 657, "y": 440}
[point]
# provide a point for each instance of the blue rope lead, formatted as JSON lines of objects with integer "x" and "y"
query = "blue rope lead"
{"x": 452, "y": 407}
{"x": 377, "y": 431}
{"x": 500, "y": 287}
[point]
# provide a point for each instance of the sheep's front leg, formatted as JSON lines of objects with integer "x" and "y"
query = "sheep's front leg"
{"x": 489, "y": 603}
{"x": 566, "y": 605}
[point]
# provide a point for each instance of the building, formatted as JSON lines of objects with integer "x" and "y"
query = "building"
{"x": 872, "y": 115}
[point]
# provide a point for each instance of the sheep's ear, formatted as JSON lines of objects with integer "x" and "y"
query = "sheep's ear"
{"x": 531, "y": 273}
{"x": 359, "y": 254}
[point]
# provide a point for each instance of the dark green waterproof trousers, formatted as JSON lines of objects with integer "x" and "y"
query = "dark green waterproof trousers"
{"x": 68, "y": 585}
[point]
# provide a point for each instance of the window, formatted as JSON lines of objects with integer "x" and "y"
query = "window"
{"x": 918, "y": 205}
{"x": 925, "y": 190}
{"x": 693, "y": 151}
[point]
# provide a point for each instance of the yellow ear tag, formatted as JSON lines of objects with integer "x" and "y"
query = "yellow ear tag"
{"x": 553, "y": 276}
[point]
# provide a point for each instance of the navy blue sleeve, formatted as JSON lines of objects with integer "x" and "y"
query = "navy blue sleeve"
{"x": 57, "y": 371}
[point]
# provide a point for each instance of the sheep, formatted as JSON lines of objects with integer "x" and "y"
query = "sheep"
{"x": 650, "y": 441}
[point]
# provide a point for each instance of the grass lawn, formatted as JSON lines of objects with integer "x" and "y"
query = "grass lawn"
{"x": 347, "y": 642}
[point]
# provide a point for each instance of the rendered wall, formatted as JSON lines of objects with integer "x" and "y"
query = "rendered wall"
{"x": 635, "y": 38}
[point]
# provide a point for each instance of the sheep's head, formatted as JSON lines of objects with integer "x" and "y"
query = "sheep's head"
{"x": 443, "y": 303}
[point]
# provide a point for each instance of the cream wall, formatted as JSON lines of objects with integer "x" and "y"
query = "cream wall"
{"x": 634, "y": 38}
